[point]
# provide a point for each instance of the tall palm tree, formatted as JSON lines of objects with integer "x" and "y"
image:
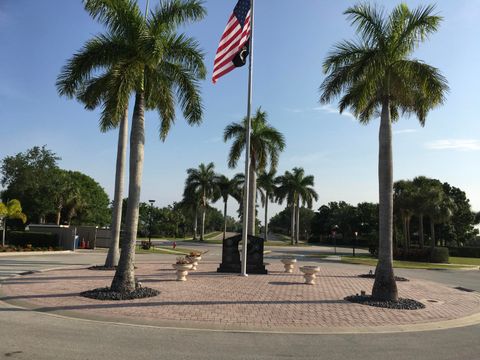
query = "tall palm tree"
{"x": 268, "y": 190}
{"x": 297, "y": 189}
{"x": 10, "y": 210}
{"x": 377, "y": 76}
{"x": 155, "y": 63}
{"x": 202, "y": 181}
{"x": 104, "y": 90}
{"x": 226, "y": 187}
{"x": 266, "y": 143}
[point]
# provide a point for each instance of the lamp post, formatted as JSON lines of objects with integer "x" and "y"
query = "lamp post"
{"x": 355, "y": 242}
{"x": 334, "y": 233}
{"x": 150, "y": 223}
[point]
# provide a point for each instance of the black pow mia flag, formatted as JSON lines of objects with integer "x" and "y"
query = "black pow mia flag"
{"x": 241, "y": 58}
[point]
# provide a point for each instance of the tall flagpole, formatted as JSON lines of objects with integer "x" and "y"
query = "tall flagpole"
{"x": 247, "y": 189}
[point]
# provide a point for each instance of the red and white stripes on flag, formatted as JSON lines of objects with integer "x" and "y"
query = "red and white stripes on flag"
{"x": 234, "y": 40}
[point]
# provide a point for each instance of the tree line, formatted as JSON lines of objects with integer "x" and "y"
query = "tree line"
{"x": 49, "y": 194}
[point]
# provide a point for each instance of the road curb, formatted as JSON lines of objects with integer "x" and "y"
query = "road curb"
{"x": 34, "y": 253}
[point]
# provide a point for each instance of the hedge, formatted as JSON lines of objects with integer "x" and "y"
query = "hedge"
{"x": 472, "y": 252}
{"x": 34, "y": 239}
{"x": 427, "y": 254}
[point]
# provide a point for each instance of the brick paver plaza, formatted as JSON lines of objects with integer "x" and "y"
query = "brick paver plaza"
{"x": 276, "y": 301}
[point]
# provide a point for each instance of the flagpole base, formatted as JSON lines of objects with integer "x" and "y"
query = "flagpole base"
{"x": 243, "y": 275}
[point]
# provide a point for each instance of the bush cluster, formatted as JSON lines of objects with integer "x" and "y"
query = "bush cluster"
{"x": 431, "y": 255}
{"x": 472, "y": 252}
{"x": 26, "y": 239}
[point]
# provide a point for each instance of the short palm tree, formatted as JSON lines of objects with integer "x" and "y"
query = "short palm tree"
{"x": 155, "y": 63}
{"x": 377, "y": 76}
{"x": 266, "y": 144}
{"x": 226, "y": 187}
{"x": 296, "y": 189}
{"x": 268, "y": 190}
{"x": 202, "y": 181}
{"x": 10, "y": 210}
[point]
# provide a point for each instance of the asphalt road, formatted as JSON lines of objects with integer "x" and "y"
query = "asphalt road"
{"x": 30, "y": 335}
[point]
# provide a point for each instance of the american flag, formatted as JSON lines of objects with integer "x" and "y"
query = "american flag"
{"x": 233, "y": 48}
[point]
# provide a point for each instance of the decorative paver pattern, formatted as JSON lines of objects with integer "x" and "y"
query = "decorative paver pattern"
{"x": 259, "y": 302}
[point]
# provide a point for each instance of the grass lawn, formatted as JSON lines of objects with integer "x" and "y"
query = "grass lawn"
{"x": 163, "y": 250}
{"x": 464, "y": 261}
{"x": 365, "y": 259}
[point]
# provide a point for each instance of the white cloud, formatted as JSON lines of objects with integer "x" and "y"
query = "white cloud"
{"x": 332, "y": 110}
{"x": 296, "y": 111}
{"x": 454, "y": 144}
{"x": 405, "y": 131}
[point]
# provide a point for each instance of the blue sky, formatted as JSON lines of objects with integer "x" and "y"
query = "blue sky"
{"x": 291, "y": 41}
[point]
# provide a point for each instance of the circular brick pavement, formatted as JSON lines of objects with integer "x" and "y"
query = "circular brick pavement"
{"x": 273, "y": 302}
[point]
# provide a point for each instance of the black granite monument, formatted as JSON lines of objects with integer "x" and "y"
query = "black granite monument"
{"x": 231, "y": 255}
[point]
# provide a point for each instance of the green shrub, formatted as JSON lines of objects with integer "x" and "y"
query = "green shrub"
{"x": 435, "y": 255}
{"x": 471, "y": 252}
{"x": 34, "y": 239}
{"x": 439, "y": 255}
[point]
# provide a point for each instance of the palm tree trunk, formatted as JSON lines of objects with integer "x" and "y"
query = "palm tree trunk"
{"x": 292, "y": 229}
{"x": 224, "y": 220}
{"x": 124, "y": 279}
{"x": 405, "y": 231}
{"x": 408, "y": 232}
{"x": 113, "y": 250}
{"x": 297, "y": 225}
{"x": 59, "y": 215}
{"x": 195, "y": 224}
{"x": 432, "y": 232}
{"x": 265, "y": 236}
{"x": 385, "y": 287}
{"x": 4, "y": 232}
{"x": 204, "y": 210}
{"x": 422, "y": 235}
{"x": 252, "y": 200}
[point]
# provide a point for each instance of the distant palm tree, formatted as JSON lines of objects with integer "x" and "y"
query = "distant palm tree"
{"x": 159, "y": 66}
{"x": 191, "y": 202}
{"x": 10, "y": 210}
{"x": 268, "y": 189}
{"x": 226, "y": 187}
{"x": 376, "y": 76}
{"x": 202, "y": 181}
{"x": 266, "y": 143}
{"x": 403, "y": 202}
{"x": 296, "y": 188}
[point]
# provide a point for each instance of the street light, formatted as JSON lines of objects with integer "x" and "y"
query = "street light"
{"x": 334, "y": 233}
{"x": 150, "y": 223}
{"x": 355, "y": 242}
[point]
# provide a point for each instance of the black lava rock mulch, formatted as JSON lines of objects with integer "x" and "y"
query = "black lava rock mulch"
{"x": 102, "y": 267}
{"x": 372, "y": 276}
{"x": 107, "y": 294}
{"x": 400, "y": 304}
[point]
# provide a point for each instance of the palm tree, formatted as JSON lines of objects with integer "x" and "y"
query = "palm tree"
{"x": 268, "y": 189}
{"x": 376, "y": 76}
{"x": 191, "y": 202}
{"x": 10, "y": 210}
{"x": 226, "y": 187}
{"x": 159, "y": 66}
{"x": 202, "y": 181}
{"x": 403, "y": 202}
{"x": 266, "y": 143}
{"x": 105, "y": 90}
{"x": 297, "y": 189}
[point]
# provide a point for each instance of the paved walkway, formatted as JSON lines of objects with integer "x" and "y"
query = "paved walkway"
{"x": 274, "y": 302}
